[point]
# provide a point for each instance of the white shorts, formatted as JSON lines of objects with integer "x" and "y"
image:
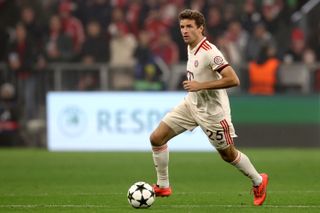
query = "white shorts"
{"x": 220, "y": 132}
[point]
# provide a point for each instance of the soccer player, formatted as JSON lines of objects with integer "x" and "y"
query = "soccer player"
{"x": 206, "y": 105}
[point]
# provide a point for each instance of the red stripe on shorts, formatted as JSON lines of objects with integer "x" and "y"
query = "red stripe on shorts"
{"x": 226, "y": 130}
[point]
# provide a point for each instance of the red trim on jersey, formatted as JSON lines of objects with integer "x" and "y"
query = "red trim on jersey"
{"x": 227, "y": 135}
{"x": 219, "y": 69}
{"x": 206, "y": 46}
{"x": 200, "y": 46}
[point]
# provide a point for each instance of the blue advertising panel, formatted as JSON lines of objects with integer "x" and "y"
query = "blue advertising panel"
{"x": 113, "y": 121}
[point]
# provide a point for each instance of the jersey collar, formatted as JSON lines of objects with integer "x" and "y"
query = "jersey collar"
{"x": 196, "y": 48}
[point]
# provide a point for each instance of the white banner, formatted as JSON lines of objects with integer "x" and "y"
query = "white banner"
{"x": 113, "y": 121}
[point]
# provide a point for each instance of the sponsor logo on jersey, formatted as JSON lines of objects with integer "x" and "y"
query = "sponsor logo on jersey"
{"x": 190, "y": 76}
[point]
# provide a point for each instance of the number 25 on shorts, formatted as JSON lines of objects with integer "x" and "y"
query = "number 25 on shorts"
{"x": 218, "y": 136}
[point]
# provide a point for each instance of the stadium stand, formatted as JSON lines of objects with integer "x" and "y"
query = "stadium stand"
{"x": 51, "y": 43}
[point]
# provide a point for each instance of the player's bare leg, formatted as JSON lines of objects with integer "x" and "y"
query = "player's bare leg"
{"x": 242, "y": 163}
{"x": 159, "y": 138}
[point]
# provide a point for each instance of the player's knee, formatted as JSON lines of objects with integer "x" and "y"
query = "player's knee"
{"x": 156, "y": 139}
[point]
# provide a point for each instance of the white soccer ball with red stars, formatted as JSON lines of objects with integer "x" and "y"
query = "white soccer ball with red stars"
{"x": 141, "y": 195}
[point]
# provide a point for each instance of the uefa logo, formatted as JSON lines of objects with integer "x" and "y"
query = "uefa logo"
{"x": 72, "y": 121}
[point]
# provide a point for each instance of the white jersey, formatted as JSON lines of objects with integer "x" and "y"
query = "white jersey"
{"x": 205, "y": 62}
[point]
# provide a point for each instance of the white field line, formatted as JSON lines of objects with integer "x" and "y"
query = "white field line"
{"x": 34, "y": 206}
{"x": 62, "y": 194}
{"x": 243, "y": 206}
{"x": 244, "y": 192}
{"x": 124, "y": 193}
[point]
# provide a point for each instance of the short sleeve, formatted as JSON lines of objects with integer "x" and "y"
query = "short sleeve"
{"x": 217, "y": 60}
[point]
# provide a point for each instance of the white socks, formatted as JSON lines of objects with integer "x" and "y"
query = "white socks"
{"x": 161, "y": 161}
{"x": 243, "y": 163}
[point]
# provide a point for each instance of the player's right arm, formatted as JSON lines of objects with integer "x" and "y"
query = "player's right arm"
{"x": 228, "y": 79}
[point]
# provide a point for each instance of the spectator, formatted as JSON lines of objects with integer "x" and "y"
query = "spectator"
{"x": 298, "y": 50}
{"x": 271, "y": 11}
{"x": 200, "y": 5}
{"x": 134, "y": 16}
{"x": 237, "y": 39}
{"x": 155, "y": 25}
{"x": 117, "y": 19}
{"x": 4, "y": 38}
{"x": 9, "y": 14}
{"x": 309, "y": 57}
{"x": 166, "y": 49}
{"x": 263, "y": 72}
{"x": 259, "y": 39}
{"x": 147, "y": 73}
{"x": 229, "y": 13}
{"x": 96, "y": 45}
{"x": 9, "y": 117}
{"x": 31, "y": 20}
{"x": 71, "y": 25}
{"x": 276, "y": 21}
{"x": 215, "y": 24}
{"x": 250, "y": 15}
{"x": 98, "y": 10}
{"x": 23, "y": 60}
{"x": 58, "y": 45}
{"x": 34, "y": 29}
{"x": 95, "y": 49}
{"x": 122, "y": 45}
{"x": 169, "y": 11}
{"x": 143, "y": 54}
{"x": 233, "y": 44}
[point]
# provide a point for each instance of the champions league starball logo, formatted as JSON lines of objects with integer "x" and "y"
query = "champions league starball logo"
{"x": 72, "y": 121}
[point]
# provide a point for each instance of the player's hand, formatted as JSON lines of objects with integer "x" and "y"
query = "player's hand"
{"x": 191, "y": 86}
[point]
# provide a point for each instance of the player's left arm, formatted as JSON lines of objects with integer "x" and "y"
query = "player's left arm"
{"x": 228, "y": 79}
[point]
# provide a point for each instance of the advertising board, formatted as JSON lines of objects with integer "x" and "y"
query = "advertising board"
{"x": 113, "y": 121}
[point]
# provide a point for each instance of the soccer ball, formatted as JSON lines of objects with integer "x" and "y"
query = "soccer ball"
{"x": 141, "y": 195}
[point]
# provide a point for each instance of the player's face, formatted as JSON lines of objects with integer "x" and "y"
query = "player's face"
{"x": 190, "y": 32}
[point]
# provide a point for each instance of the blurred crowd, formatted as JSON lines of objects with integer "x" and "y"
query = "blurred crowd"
{"x": 134, "y": 35}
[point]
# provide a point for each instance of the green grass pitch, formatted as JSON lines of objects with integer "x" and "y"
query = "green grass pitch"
{"x": 40, "y": 181}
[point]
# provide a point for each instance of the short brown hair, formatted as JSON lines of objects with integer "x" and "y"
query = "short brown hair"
{"x": 193, "y": 15}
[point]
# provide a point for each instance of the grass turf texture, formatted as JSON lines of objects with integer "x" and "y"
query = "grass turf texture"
{"x": 40, "y": 181}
